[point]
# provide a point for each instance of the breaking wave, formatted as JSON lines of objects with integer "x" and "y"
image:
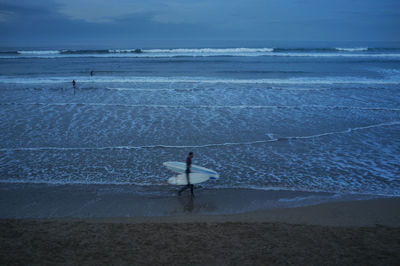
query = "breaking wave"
{"x": 201, "y": 52}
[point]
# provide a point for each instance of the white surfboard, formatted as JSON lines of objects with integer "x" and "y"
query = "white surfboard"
{"x": 194, "y": 178}
{"x": 180, "y": 168}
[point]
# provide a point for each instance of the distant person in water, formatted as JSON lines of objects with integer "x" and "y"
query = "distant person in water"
{"x": 188, "y": 166}
{"x": 74, "y": 84}
{"x": 91, "y": 73}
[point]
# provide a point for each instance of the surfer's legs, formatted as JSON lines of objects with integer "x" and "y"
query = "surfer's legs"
{"x": 184, "y": 188}
{"x": 188, "y": 185}
{"x": 187, "y": 175}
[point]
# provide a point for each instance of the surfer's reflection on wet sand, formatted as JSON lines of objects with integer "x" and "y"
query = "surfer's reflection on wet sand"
{"x": 198, "y": 204}
{"x": 187, "y": 203}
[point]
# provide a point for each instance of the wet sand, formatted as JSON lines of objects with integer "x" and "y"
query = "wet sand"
{"x": 339, "y": 233}
{"x": 101, "y": 201}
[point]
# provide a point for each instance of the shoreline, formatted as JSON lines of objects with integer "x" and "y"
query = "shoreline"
{"x": 340, "y": 233}
{"x": 110, "y": 201}
{"x": 133, "y": 204}
{"x": 356, "y": 213}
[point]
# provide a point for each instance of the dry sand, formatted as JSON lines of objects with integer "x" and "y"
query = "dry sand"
{"x": 342, "y": 233}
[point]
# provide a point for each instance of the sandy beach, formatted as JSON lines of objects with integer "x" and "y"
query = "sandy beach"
{"x": 340, "y": 233}
{"x": 283, "y": 115}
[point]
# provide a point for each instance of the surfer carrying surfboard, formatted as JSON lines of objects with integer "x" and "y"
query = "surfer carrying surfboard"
{"x": 188, "y": 166}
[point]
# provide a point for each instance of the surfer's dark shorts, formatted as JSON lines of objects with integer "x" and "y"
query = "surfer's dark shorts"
{"x": 187, "y": 171}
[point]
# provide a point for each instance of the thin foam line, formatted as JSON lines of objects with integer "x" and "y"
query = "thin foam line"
{"x": 394, "y": 123}
{"x": 213, "y": 106}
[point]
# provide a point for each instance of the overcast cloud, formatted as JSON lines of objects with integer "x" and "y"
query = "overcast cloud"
{"x": 79, "y": 21}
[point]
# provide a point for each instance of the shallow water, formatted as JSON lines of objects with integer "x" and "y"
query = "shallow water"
{"x": 322, "y": 121}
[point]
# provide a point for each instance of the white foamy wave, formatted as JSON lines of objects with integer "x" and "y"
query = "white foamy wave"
{"x": 120, "y": 79}
{"x": 155, "y": 146}
{"x": 141, "y": 89}
{"x": 349, "y": 55}
{"x": 191, "y": 89}
{"x": 204, "y": 52}
{"x": 211, "y": 50}
{"x": 50, "y": 52}
{"x": 355, "y": 49}
{"x": 71, "y": 182}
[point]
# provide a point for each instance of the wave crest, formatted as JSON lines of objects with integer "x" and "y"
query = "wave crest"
{"x": 356, "y": 49}
{"x": 211, "y": 50}
{"x": 48, "y": 52}
{"x": 204, "y": 52}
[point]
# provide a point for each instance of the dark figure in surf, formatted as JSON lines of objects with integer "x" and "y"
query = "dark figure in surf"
{"x": 74, "y": 85}
{"x": 91, "y": 73}
{"x": 188, "y": 165}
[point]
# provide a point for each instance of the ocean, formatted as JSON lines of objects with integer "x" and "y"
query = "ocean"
{"x": 269, "y": 118}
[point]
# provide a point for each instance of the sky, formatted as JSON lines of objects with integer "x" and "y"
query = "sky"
{"x": 78, "y": 22}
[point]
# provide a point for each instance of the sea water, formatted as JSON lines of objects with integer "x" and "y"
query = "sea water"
{"x": 323, "y": 119}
